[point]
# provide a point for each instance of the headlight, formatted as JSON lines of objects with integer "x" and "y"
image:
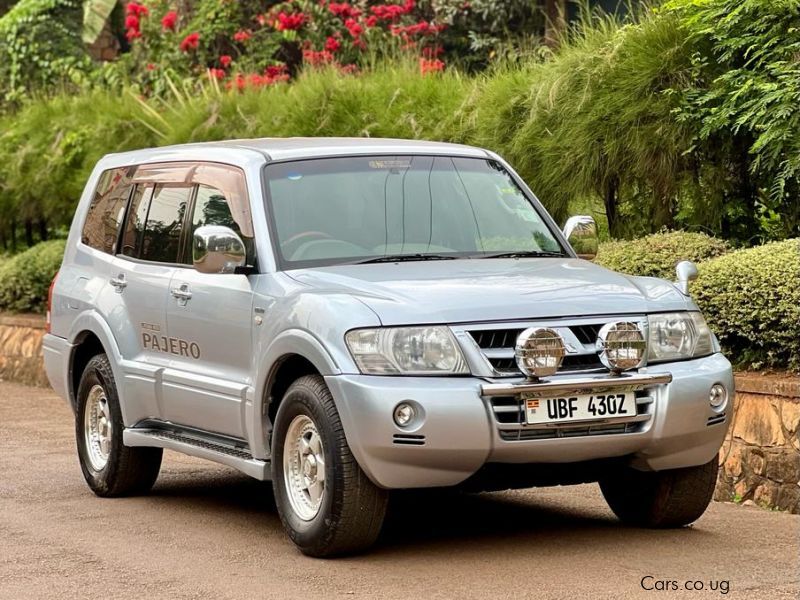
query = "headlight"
{"x": 674, "y": 336}
{"x": 406, "y": 351}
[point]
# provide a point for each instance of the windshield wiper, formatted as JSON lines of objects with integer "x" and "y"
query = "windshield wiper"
{"x": 404, "y": 258}
{"x": 526, "y": 254}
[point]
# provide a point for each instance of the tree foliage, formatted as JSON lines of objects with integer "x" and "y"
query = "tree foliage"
{"x": 41, "y": 48}
{"x": 741, "y": 106}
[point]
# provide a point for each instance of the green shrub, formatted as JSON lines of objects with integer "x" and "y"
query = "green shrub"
{"x": 656, "y": 255}
{"x": 751, "y": 299}
{"x": 41, "y": 48}
{"x": 25, "y": 278}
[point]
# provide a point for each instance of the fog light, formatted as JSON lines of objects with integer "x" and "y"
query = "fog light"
{"x": 404, "y": 414}
{"x": 539, "y": 351}
{"x": 718, "y": 396}
{"x": 621, "y": 346}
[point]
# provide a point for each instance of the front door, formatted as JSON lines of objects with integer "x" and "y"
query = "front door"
{"x": 209, "y": 320}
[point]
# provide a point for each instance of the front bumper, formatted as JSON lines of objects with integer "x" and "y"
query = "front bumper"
{"x": 460, "y": 431}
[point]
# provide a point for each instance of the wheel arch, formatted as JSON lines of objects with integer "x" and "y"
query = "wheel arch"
{"x": 89, "y": 336}
{"x": 290, "y": 356}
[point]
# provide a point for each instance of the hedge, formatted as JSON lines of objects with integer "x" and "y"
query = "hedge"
{"x": 25, "y": 278}
{"x": 656, "y": 255}
{"x": 751, "y": 300}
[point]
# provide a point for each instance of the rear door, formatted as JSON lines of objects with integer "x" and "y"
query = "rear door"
{"x": 148, "y": 256}
{"x": 205, "y": 387}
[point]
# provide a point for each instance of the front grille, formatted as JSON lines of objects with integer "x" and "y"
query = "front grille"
{"x": 496, "y": 338}
{"x": 509, "y": 416}
{"x": 498, "y": 347}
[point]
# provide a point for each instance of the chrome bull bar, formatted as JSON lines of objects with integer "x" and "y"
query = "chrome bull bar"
{"x": 574, "y": 386}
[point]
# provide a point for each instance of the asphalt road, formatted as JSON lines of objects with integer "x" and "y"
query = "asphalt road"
{"x": 207, "y": 532}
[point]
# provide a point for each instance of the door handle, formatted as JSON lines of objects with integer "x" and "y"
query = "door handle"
{"x": 119, "y": 282}
{"x": 182, "y": 292}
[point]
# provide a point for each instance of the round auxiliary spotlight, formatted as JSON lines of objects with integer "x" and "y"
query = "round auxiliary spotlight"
{"x": 539, "y": 351}
{"x": 621, "y": 346}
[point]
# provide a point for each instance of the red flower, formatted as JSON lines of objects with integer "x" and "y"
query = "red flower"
{"x": 190, "y": 42}
{"x": 371, "y": 21}
{"x": 430, "y": 66}
{"x": 432, "y": 51}
{"x": 291, "y": 22}
{"x": 348, "y": 69}
{"x": 132, "y": 22}
{"x": 241, "y": 36}
{"x": 273, "y": 74}
{"x": 225, "y": 61}
{"x": 238, "y": 82}
{"x": 392, "y": 12}
{"x": 137, "y": 10}
{"x": 150, "y": 67}
{"x": 332, "y": 44}
{"x": 353, "y": 27}
{"x": 132, "y": 34}
{"x": 216, "y": 73}
{"x": 421, "y": 28}
{"x": 274, "y": 71}
{"x": 169, "y": 21}
{"x": 317, "y": 58}
{"x": 343, "y": 9}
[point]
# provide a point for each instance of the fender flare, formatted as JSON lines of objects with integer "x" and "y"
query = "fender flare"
{"x": 90, "y": 322}
{"x": 290, "y": 341}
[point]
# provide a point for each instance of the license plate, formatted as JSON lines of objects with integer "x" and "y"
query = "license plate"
{"x": 580, "y": 408}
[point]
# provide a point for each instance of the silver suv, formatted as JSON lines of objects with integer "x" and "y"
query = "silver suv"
{"x": 345, "y": 317}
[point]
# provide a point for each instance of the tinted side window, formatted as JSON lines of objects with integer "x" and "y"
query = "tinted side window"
{"x": 155, "y": 222}
{"x": 162, "y": 233}
{"x": 137, "y": 216}
{"x": 107, "y": 210}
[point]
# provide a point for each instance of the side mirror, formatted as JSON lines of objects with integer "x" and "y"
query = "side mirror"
{"x": 581, "y": 233}
{"x": 686, "y": 271}
{"x": 217, "y": 249}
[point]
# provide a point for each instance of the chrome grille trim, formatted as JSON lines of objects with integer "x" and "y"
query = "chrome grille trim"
{"x": 509, "y": 418}
{"x": 489, "y": 347}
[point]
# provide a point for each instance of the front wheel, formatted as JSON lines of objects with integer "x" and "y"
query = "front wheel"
{"x": 327, "y": 504}
{"x": 661, "y": 499}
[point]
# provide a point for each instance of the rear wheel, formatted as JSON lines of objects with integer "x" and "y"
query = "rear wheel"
{"x": 327, "y": 504}
{"x": 109, "y": 467}
{"x": 661, "y": 499}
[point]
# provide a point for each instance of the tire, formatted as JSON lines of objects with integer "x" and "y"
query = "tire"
{"x": 345, "y": 515}
{"x": 661, "y": 499}
{"x": 110, "y": 468}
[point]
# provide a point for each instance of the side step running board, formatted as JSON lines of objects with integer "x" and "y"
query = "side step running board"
{"x": 223, "y": 454}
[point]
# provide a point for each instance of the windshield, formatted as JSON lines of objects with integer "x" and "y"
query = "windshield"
{"x": 372, "y": 208}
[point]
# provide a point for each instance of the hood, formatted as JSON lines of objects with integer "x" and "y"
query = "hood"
{"x": 461, "y": 291}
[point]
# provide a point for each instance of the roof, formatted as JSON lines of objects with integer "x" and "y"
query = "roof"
{"x": 296, "y": 147}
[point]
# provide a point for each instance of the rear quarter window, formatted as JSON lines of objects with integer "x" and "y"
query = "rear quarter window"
{"x": 107, "y": 210}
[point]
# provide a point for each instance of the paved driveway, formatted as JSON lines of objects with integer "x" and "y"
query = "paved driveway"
{"x": 208, "y": 532}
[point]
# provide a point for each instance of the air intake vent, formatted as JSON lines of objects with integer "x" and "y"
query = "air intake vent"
{"x": 408, "y": 439}
{"x": 716, "y": 419}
